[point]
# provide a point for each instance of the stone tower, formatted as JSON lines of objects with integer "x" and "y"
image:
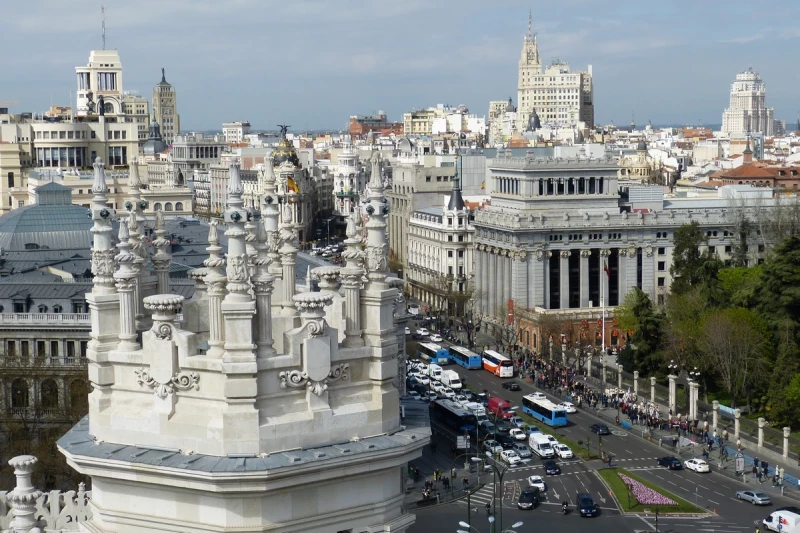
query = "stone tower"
{"x": 273, "y": 425}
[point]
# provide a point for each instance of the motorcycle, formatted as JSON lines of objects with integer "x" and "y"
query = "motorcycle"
{"x": 565, "y": 508}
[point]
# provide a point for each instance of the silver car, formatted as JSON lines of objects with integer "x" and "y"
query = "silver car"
{"x": 522, "y": 450}
{"x": 754, "y": 497}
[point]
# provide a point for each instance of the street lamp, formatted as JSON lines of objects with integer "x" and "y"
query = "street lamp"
{"x": 491, "y": 521}
{"x": 673, "y": 367}
{"x": 499, "y": 472}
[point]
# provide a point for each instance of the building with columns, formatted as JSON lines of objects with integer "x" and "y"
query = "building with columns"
{"x": 262, "y": 408}
{"x": 561, "y": 239}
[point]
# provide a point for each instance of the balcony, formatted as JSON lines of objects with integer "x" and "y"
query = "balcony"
{"x": 45, "y": 319}
{"x": 343, "y": 194}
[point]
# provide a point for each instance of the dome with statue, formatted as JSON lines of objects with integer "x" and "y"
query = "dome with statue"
{"x": 285, "y": 152}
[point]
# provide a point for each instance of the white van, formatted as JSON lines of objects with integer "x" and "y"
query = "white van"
{"x": 783, "y": 521}
{"x": 475, "y": 408}
{"x": 541, "y": 445}
{"x": 435, "y": 371}
{"x": 451, "y": 379}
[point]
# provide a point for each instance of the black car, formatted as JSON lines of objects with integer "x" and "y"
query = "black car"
{"x": 511, "y": 385}
{"x": 551, "y": 468}
{"x": 502, "y": 426}
{"x": 528, "y": 498}
{"x": 586, "y": 505}
{"x": 670, "y": 462}
{"x": 505, "y": 441}
{"x": 600, "y": 429}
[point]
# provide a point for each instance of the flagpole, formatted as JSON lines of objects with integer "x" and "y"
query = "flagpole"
{"x": 603, "y": 303}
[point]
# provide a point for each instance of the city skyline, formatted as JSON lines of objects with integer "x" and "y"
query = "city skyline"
{"x": 268, "y": 62}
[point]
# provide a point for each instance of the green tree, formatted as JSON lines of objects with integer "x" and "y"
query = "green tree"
{"x": 783, "y": 396}
{"x": 738, "y": 285}
{"x": 684, "y": 314}
{"x": 687, "y": 259}
{"x": 638, "y": 313}
{"x": 778, "y": 290}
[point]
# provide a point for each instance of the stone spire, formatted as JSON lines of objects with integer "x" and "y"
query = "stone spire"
{"x": 377, "y": 250}
{"x": 238, "y": 307}
{"x": 162, "y": 259}
{"x": 215, "y": 281}
{"x": 288, "y": 251}
{"x": 263, "y": 282}
{"x": 135, "y": 207}
{"x": 102, "y": 250}
{"x": 352, "y": 275}
{"x": 269, "y": 212}
{"x": 125, "y": 277}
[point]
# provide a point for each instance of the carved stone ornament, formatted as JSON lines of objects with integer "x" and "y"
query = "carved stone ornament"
{"x": 648, "y": 250}
{"x": 311, "y": 306}
{"x": 605, "y": 253}
{"x": 565, "y": 254}
{"x": 623, "y": 252}
{"x": 103, "y": 262}
{"x": 586, "y": 253}
{"x": 297, "y": 379}
{"x": 180, "y": 381}
{"x": 237, "y": 268}
{"x": 539, "y": 254}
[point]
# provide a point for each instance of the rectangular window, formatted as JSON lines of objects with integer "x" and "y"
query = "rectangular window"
{"x": 12, "y": 349}
{"x": 661, "y": 282}
{"x": 449, "y": 253}
{"x": 662, "y": 266}
{"x": 461, "y": 253}
{"x": 41, "y": 349}
{"x": 728, "y": 249}
{"x": 53, "y": 348}
{"x": 662, "y": 251}
{"x": 25, "y": 348}
{"x": 449, "y": 238}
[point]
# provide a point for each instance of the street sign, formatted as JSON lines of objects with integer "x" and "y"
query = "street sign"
{"x": 739, "y": 462}
{"x": 462, "y": 442}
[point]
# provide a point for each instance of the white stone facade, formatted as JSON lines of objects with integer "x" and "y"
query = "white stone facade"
{"x": 748, "y": 111}
{"x": 272, "y": 424}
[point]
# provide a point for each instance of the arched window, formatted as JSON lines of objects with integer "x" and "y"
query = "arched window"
{"x": 157, "y": 206}
{"x": 79, "y": 395}
{"x": 179, "y": 206}
{"x": 49, "y": 394}
{"x": 19, "y": 393}
{"x": 168, "y": 206}
{"x": 108, "y": 107}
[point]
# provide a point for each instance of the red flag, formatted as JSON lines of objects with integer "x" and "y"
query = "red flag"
{"x": 605, "y": 267}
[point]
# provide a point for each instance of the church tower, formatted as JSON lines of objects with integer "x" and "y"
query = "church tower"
{"x": 530, "y": 66}
{"x": 244, "y": 409}
{"x": 165, "y": 109}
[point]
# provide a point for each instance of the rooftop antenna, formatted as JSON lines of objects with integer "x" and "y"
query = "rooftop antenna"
{"x": 103, "y": 17}
{"x": 530, "y": 25}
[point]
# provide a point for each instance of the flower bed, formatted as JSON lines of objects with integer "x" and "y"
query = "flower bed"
{"x": 643, "y": 494}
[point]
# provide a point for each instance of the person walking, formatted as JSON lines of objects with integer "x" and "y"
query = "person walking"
{"x": 755, "y": 471}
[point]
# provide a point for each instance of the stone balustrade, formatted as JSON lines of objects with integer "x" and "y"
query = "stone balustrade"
{"x": 45, "y": 318}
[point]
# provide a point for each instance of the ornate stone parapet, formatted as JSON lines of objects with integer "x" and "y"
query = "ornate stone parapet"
{"x": 311, "y": 306}
{"x": 329, "y": 278}
{"x": 23, "y": 498}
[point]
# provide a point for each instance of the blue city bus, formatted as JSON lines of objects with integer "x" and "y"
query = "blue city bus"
{"x": 466, "y": 358}
{"x": 433, "y": 353}
{"x": 453, "y": 415}
{"x": 544, "y": 411}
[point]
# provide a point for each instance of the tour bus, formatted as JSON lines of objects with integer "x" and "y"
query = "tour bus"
{"x": 464, "y": 357}
{"x": 434, "y": 353}
{"x": 497, "y": 364}
{"x": 544, "y": 410}
{"x": 451, "y": 414}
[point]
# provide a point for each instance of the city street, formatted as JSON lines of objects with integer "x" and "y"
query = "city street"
{"x": 713, "y": 492}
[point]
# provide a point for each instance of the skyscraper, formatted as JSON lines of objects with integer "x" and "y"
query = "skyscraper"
{"x": 558, "y": 95}
{"x": 747, "y": 112}
{"x": 165, "y": 109}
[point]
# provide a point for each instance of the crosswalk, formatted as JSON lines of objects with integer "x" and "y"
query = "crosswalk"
{"x": 481, "y": 496}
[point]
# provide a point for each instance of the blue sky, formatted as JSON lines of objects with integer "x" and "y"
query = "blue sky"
{"x": 313, "y": 63}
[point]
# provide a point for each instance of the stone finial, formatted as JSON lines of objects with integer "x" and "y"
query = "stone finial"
{"x": 165, "y": 308}
{"x": 198, "y": 275}
{"x": 311, "y": 306}
{"x": 235, "y": 187}
{"x": 329, "y": 277}
{"x": 99, "y": 186}
{"x": 126, "y": 258}
{"x": 23, "y": 497}
{"x": 133, "y": 176}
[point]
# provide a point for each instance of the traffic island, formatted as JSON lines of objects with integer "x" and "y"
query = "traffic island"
{"x": 580, "y": 449}
{"x": 636, "y": 495}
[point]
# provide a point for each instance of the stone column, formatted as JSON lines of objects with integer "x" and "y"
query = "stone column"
{"x": 761, "y": 423}
{"x": 737, "y": 413}
{"x": 786, "y": 432}
{"x": 636, "y": 383}
{"x": 508, "y": 258}
{"x": 263, "y": 283}
{"x": 603, "y": 276}
{"x": 125, "y": 278}
{"x": 352, "y": 275}
{"x": 619, "y": 377}
{"x": 564, "y": 278}
{"x": 136, "y": 206}
{"x": 270, "y": 215}
{"x": 589, "y": 366}
{"x": 24, "y": 496}
{"x": 672, "y": 394}
{"x": 491, "y": 287}
{"x": 715, "y": 415}
{"x": 215, "y": 281}
{"x": 585, "y": 278}
{"x": 161, "y": 259}
{"x": 603, "y": 360}
{"x": 622, "y": 273}
{"x": 546, "y": 303}
{"x": 693, "y": 388}
{"x": 653, "y": 390}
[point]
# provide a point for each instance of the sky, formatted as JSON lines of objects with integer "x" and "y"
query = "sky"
{"x": 314, "y": 63}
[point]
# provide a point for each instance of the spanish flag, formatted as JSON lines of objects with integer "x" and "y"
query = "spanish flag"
{"x": 605, "y": 267}
{"x": 292, "y": 186}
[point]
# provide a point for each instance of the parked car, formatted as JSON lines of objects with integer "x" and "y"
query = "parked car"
{"x": 563, "y": 451}
{"x": 670, "y": 462}
{"x": 698, "y": 465}
{"x": 522, "y": 450}
{"x": 551, "y": 468}
{"x": 753, "y": 496}
{"x": 537, "y": 482}
{"x": 528, "y": 498}
{"x": 436, "y": 338}
{"x": 517, "y": 434}
{"x": 569, "y": 407}
{"x": 586, "y": 505}
{"x": 414, "y": 395}
{"x": 509, "y": 457}
{"x": 517, "y": 422}
{"x": 511, "y": 385}
{"x": 600, "y": 429}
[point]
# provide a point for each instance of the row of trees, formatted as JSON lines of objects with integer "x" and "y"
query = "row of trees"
{"x": 738, "y": 325}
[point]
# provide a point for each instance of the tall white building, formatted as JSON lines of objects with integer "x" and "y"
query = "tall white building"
{"x": 748, "y": 112}
{"x": 558, "y": 95}
{"x": 165, "y": 109}
{"x": 234, "y": 132}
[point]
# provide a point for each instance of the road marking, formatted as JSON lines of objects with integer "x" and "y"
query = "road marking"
{"x": 630, "y": 452}
{"x": 712, "y": 501}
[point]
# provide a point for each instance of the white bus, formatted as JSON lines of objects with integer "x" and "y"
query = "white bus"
{"x": 497, "y": 364}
